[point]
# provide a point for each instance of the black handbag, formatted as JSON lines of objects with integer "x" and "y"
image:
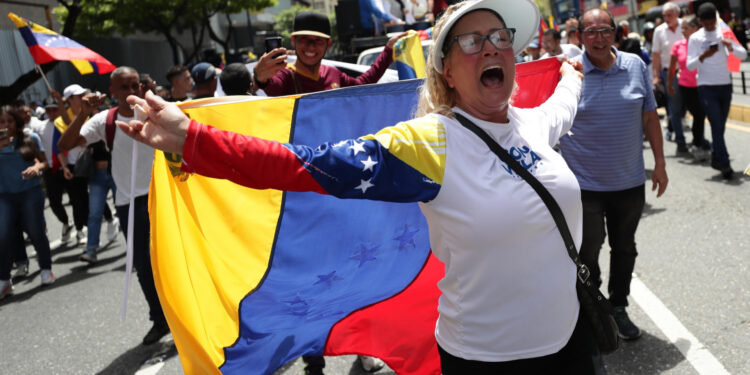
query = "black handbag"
{"x": 84, "y": 166}
{"x": 594, "y": 306}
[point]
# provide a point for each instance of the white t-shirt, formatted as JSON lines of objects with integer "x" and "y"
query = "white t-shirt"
{"x": 569, "y": 50}
{"x": 46, "y": 131}
{"x": 664, "y": 39}
{"x": 122, "y": 152}
{"x": 515, "y": 298}
{"x": 713, "y": 70}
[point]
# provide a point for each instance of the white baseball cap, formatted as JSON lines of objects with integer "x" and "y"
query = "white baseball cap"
{"x": 522, "y": 15}
{"x": 74, "y": 89}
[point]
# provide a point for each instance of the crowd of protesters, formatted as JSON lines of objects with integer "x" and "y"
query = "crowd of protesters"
{"x": 70, "y": 145}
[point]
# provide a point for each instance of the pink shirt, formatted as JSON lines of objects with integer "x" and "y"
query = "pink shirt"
{"x": 687, "y": 77}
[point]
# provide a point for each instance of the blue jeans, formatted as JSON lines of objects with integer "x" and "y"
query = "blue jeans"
{"x": 100, "y": 183}
{"x": 26, "y": 208}
{"x": 142, "y": 254}
{"x": 716, "y": 101}
{"x": 675, "y": 109}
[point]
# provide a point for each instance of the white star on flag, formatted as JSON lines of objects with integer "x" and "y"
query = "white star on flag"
{"x": 369, "y": 163}
{"x": 357, "y": 147}
{"x": 364, "y": 185}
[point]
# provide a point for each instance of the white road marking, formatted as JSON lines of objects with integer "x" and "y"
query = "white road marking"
{"x": 150, "y": 370}
{"x": 696, "y": 353}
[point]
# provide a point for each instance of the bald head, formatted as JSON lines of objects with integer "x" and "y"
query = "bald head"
{"x": 590, "y": 15}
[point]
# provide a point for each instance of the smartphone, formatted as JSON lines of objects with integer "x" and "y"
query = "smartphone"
{"x": 714, "y": 46}
{"x": 272, "y": 42}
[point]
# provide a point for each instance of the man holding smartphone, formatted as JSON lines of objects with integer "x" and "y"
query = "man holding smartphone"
{"x": 708, "y": 51}
{"x": 311, "y": 40}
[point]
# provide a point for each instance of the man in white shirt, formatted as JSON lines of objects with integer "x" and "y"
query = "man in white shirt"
{"x": 551, "y": 41}
{"x": 124, "y": 81}
{"x": 665, "y": 36}
{"x": 708, "y": 51}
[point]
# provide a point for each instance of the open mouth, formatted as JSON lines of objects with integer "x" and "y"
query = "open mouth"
{"x": 492, "y": 77}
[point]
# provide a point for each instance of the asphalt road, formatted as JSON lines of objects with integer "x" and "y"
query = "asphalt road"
{"x": 694, "y": 257}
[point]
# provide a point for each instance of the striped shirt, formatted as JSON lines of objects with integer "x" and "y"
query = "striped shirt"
{"x": 605, "y": 145}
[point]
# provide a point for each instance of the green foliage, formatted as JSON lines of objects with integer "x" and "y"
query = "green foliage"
{"x": 544, "y": 8}
{"x": 94, "y": 20}
{"x": 105, "y": 17}
{"x": 284, "y": 22}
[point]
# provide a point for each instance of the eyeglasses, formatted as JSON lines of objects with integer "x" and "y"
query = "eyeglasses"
{"x": 604, "y": 32}
{"x": 472, "y": 43}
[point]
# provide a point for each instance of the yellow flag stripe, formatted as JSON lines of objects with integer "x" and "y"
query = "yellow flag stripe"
{"x": 83, "y": 66}
{"x": 238, "y": 246}
{"x": 420, "y": 143}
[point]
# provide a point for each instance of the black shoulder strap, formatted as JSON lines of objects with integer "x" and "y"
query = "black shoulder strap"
{"x": 557, "y": 214}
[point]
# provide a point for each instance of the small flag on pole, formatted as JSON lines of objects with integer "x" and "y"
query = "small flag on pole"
{"x": 409, "y": 57}
{"x": 46, "y": 45}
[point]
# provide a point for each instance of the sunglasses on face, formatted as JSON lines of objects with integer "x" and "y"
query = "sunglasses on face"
{"x": 472, "y": 43}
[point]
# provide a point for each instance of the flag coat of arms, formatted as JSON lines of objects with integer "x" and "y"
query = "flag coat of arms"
{"x": 252, "y": 279}
{"x": 46, "y": 46}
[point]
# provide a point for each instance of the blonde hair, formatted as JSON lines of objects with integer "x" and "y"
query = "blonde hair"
{"x": 435, "y": 95}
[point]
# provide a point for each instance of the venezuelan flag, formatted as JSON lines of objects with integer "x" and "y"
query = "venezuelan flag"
{"x": 733, "y": 62}
{"x": 553, "y": 23}
{"x": 542, "y": 28}
{"x": 409, "y": 57}
{"x": 46, "y": 45}
{"x": 252, "y": 279}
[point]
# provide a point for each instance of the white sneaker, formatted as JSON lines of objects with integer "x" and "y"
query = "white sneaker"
{"x": 67, "y": 230}
{"x": 47, "y": 277}
{"x": 21, "y": 271}
{"x": 371, "y": 364}
{"x": 6, "y": 289}
{"x": 113, "y": 227}
{"x": 81, "y": 236}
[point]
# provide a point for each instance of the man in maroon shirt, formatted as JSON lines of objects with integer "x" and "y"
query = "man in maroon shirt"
{"x": 311, "y": 39}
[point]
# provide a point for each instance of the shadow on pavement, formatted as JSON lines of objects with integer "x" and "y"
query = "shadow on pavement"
{"x": 649, "y": 210}
{"x": 648, "y": 355}
{"x": 738, "y": 179}
{"x": 60, "y": 281}
{"x": 135, "y": 358}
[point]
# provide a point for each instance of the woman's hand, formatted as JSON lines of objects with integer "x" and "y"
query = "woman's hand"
{"x": 31, "y": 172}
{"x": 571, "y": 68}
{"x": 165, "y": 127}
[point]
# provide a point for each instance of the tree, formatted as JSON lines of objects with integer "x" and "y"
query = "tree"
{"x": 284, "y": 22}
{"x": 214, "y": 7}
{"x": 166, "y": 17}
{"x": 9, "y": 93}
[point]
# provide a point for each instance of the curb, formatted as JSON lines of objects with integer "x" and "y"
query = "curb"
{"x": 739, "y": 112}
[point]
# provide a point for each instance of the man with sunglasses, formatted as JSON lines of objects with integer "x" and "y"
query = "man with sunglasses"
{"x": 604, "y": 149}
{"x": 311, "y": 40}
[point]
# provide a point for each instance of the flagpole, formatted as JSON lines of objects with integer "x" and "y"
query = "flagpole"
{"x": 44, "y": 77}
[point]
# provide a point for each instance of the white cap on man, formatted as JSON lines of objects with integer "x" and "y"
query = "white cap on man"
{"x": 74, "y": 89}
